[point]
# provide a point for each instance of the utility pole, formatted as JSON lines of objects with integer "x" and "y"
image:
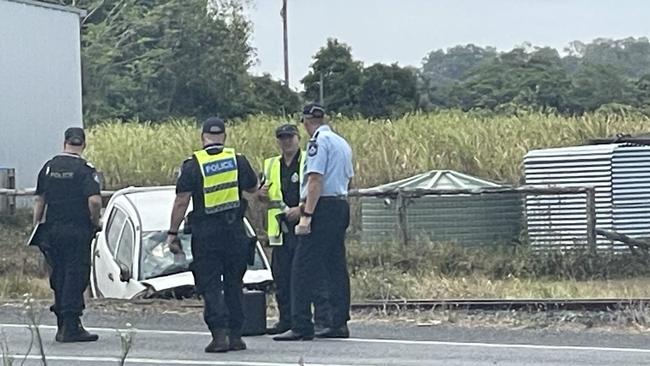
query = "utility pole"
{"x": 283, "y": 13}
{"x": 320, "y": 89}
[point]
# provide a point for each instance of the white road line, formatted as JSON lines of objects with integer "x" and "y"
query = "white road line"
{"x": 497, "y": 345}
{"x": 156, "y": 361}
{"x": 115, "y": 330}
{"x": 385, "y": 341}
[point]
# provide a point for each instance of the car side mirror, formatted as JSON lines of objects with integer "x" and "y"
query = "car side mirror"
{"x": 125, "y": 273}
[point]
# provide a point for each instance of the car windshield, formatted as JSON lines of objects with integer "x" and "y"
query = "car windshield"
{"x": 157, "y": 260}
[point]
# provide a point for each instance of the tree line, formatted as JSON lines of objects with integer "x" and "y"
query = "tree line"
{"x": 155, "y": 59}
{"x": 610, "y": 75}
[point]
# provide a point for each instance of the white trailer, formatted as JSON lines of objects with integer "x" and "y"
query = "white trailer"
{"x": 40, "y": 83}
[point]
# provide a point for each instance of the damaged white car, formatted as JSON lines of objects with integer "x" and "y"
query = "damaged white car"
{"x": 130, "y": 259}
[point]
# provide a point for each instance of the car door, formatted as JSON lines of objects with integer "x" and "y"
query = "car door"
{"x": 115, "y": 246}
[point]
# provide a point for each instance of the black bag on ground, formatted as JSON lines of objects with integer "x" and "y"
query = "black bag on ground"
{"x": 255, "y": 313}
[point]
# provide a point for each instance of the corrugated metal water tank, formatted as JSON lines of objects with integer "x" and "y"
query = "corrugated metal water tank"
{"x": 620, "y": 174}
{"x": 493, "y": 218}
{"x": 631, "y": 191}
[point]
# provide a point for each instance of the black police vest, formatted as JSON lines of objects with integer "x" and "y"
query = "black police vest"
{"x": 64, "y": 191}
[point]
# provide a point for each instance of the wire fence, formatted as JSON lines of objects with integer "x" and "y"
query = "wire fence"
{"x": 546, "y": 217}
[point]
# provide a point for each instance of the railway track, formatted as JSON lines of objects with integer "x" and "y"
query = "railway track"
{"x": 468, "y": 304}
{"x": 447, "y": 304}
{"x": 416, "y": 304}
{"x": 503, "y": 304}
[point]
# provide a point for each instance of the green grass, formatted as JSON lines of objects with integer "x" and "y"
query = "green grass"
{"x": 429, "y": 270}
{"x": 387, "y": 285}
{"x": 497, "y": 261}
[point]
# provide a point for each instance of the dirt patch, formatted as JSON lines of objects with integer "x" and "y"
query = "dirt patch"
{"x": 627, "y": 320}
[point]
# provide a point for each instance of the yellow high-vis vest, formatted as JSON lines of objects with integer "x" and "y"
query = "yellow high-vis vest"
{"x": 220, "y": 180}
{"x": 276, "y": 202}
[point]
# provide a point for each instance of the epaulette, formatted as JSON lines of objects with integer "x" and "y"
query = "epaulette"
{"x": 312, "y": 146}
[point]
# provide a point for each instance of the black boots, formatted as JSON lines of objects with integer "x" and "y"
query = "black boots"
{"x": 220, "y": 341}
{"x": 73, "y": 331}
{"x": 236, "y": 343}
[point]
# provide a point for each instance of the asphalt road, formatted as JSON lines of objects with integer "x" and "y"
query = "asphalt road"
{"x": 178, "y": 339}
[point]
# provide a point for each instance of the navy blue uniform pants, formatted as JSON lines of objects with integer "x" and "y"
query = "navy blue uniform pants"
{"x": 67, "y": 252}
{"x": 320, "y": 257}
{"x": 281, "y": 266}
{"x": 216, "y": 254}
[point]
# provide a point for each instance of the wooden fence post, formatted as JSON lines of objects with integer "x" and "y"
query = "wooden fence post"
{"x": 401, "y": 219}
{"x": 591, "y": 219}
{"x": 7, "y": 181}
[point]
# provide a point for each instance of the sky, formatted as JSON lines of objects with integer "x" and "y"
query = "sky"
{"x": 404, "y": 31}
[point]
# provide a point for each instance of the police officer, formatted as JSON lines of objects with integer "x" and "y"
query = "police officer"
{"x": 214, "y": 178}
{"x": 281, "y": 192}
{"x": 68, "y": 199}
{"x": 325, "y": 216}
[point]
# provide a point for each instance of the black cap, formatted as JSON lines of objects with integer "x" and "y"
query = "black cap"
{"x": 214, "y": 125}
{"x": 313, "y": 110}
{"x": 287, "y": 129}
{"x": 75, "y": 136}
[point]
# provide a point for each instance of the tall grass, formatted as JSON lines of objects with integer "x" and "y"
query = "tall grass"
{"x": 429, "y": 270}
{"x": 487, "y": 146}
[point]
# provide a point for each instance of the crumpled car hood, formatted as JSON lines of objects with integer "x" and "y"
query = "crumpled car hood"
{"x": 172, "y": 281}
{"x": 163, "y": 283}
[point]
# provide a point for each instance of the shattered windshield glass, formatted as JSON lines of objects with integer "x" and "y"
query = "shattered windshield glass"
{"x": 157, "y": 260}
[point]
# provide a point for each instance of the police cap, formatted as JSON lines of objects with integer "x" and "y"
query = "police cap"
{"x": 313, "y": 110}
{"x": 214, "y": 125}
{"x": 75, "y": 136}
{"x": 286, "y": 130}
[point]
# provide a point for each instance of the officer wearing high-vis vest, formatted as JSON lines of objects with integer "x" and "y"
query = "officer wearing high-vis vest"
{"x": 214, "y": 178}
{"x": 324, "y": 218}
{"x": 281, "y": 193}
